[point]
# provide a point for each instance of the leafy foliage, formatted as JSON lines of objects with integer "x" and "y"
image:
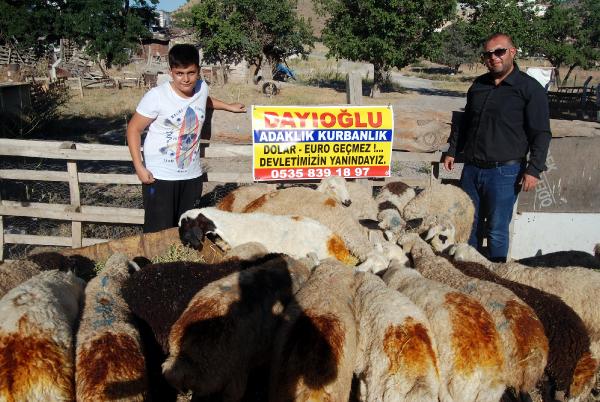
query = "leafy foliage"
{"x": 232, "y": 30}
{"x": 513, "y": 17}
{"x": 569, "y": 34}
{"x": 386, "y": 33}
{"x": 106, "y": 27}
{"x": 110, "y": 27}
{"x": 24, "y": 23}
{"x": 454, "y": 48}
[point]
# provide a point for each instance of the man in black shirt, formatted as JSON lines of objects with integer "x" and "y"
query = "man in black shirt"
{"x": 506, "y": 118}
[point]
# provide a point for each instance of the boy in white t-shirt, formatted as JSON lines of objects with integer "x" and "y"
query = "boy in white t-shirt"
{"x": 175, "y": 111}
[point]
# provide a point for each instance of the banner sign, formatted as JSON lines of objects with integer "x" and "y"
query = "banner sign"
{"x": 312, "y": 142}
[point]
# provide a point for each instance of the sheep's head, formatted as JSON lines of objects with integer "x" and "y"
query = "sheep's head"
{"x": 335, "y": 186}
{"x": 441, "y": 236}
{"x": 466, "y": 252}
{"x": 193, "y": 228}
{"x": 390, "y": 219}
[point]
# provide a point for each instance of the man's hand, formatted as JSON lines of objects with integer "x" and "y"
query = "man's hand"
{"x": 448, "y": 163}
{"x": 144, "y": 175}
{"x": 237, "y": 107}
{"x": 528, "y": 182}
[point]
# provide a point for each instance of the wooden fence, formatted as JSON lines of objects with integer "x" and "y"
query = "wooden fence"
{"x": 224, "y": 163}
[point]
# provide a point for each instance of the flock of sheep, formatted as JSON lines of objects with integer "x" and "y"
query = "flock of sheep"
{"x": 324, "y": 295}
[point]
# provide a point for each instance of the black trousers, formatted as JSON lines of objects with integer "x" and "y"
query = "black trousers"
{"x": 165, "y": 201}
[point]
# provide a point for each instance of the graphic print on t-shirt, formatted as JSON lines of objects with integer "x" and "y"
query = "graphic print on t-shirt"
{"x": 185, "y": 149}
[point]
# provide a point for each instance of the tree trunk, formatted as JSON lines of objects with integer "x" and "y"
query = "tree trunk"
{"x": 571, "y": 68}
{"x": 378, "y": 77}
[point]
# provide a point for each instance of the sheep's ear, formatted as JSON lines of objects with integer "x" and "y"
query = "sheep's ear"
{"x": 414, "y": 223}
{"x": 432, "y": 232}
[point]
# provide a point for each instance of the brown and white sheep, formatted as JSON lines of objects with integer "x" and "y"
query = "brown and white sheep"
{"x": 571, "y": 367}
{"x": 109, "y": 358}
{"x": 36, "y": 338}
{"x": 237, "y": 199}
{"x": 228, "y": 327}
{"x": 397, "y": 357}
{"x": 521, "y": 333}
{"x": 469, "y": 350}
{"x": 315, "y": 348}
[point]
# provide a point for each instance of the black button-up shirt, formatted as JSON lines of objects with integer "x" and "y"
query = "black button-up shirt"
{"x": 505, "y": 122}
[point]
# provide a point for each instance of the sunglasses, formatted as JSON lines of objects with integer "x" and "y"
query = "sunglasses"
{"x": 496, "y": 52}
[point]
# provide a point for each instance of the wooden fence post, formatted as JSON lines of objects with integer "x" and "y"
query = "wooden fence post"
{"x": 354, "y": 88}
{"x": 80, "y": 86}
{"x": 1, "y": 235}
{"x": 76, "y": 232}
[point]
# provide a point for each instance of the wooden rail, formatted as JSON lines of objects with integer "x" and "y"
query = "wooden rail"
{"x": 222, "y": 163}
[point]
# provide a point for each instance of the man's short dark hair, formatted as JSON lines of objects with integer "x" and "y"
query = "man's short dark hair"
{"x": 500, "y": 35}
{"x": 183, "y": 55}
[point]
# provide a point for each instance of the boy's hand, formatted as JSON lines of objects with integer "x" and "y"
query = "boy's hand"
{"x": 144, "y": 175}
{"x": 237, "y": 107}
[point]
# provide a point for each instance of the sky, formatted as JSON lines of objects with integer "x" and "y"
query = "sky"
{"x": 169, "y": 5}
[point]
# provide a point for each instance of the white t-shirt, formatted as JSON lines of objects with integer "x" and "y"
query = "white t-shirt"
{"x": 172, "y": 145}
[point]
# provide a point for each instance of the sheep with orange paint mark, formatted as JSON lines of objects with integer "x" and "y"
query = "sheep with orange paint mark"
{"x": 561, "y": 299}
{"x": 397, "y": 358}
{"x": 470, "y": 355}
{"x": 237, "y": 199}
{"x": 36, "y": 338}
{"x": 322, "y": 208}
{"x": 522, "y": 336}
{"x": 109, "y": 361}
{"x": 315, "y": 348}
{"x": 297, "y": 236}
{"x": 228, "y": 327}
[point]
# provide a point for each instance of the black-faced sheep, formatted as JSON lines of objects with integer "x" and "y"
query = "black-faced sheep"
{"x": 315, "y": 348}
{"x": 469, "y": 350}
{"x": 521, "y": 333}
{"x": 571, "y": 367}
{"x": 109, "y": 360}
{"x": 36, "y": 338}
{"x": 228, "y": 327}
{"x": 297, "y": 236}
{"x": 397, "y": 357}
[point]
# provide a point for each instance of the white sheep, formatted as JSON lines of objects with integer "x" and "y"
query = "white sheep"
{"x": 315, "y": 348}
{"x": 391, "y": 201}
{"x": 237, "y": 199}
{"x": 446, "y": 202}
{"x": 109, "y": 359}
{"x": 313, "y": 204}
{"x": 397, "y": 358}
{"x": 36, "y": 338}
{"x": 469, "y": 350}
{"x": 228, "y": 328}
{"x": 296, "y": 236}
{"x": 521, "y": 333}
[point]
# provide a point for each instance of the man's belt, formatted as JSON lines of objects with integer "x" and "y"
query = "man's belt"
{"x": 490, "y": 165}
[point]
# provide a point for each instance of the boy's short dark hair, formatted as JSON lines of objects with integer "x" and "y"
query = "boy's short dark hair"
{"x": 183, "y": 55}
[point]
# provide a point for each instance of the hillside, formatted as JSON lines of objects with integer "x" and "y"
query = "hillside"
{"x": 305, "y": 9}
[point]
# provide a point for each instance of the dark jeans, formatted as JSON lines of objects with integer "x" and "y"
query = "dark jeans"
{"x": 166, "y": 200}
{"x": 494, "y": 193}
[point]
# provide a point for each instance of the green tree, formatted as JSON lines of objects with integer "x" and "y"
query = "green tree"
{"x": 453, "y": 47}
{"x": 232, "y": 30}
{"x": 109, "y": 28}
{"x": 32, "y": 24}
{"x": 386, "y": 33}
{"x": 569, "y": 35}
{"x": 513, "y": 17}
